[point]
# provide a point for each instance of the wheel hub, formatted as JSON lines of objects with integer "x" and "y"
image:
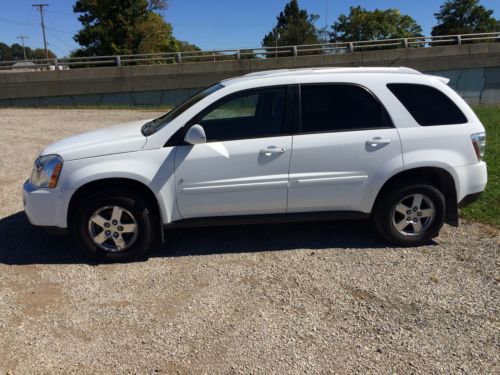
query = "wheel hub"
{"x": 413, "y": 215}
{"x": 113, "y": 228}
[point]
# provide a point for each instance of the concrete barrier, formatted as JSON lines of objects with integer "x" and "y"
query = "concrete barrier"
{"x": 474, "y": 71}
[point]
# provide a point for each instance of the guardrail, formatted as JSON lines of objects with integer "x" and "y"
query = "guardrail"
{"x": 247, "y": 53}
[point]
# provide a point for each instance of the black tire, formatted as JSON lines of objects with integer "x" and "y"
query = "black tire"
{"x": 133, "y": 205}
{"x": 385, "y": 218}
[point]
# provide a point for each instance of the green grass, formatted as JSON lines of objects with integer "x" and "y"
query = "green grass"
{"x": 487, "y": 209}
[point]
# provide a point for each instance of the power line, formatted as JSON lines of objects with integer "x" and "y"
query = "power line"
{"x": 40, "y": 8}
{"x": 50, "y": 31}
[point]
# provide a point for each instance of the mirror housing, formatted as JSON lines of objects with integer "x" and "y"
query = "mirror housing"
{"x": 195, "y": 135}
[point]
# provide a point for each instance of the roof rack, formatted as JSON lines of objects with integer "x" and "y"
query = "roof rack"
{"x": 284, "y": 72}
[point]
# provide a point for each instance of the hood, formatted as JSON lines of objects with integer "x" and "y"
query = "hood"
{"x": 112, "y": 140}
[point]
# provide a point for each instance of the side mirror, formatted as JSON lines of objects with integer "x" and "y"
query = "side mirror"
{"x": 195, "y": 135}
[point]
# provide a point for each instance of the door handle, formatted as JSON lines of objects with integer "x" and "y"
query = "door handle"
{"x": 378, "y": 141}
{"x": 273, "y": 150}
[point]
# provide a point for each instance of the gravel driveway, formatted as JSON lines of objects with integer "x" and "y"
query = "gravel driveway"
{"x": 314, "y": 298}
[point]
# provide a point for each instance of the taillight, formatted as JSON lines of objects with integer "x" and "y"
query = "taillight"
{"x": 479, "y": 144}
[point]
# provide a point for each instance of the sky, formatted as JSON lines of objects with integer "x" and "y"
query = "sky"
{"x": 215, "y": 24}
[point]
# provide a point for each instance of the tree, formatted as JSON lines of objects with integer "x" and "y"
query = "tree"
{"x": 39, "y": 54}
{"x": 15, "y": 52}
{"x": 294, "y": 27}
{"x": 184, "y": 46}
{"x": 464, "y": 17}
{"x": 154, "y": 35}
{"x": 120, "y": 27}
{"x": 5, "y": 52}
{"x": 362, "y": 24}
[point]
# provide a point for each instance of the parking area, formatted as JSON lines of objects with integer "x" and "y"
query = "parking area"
{"x": 289, "y": 298}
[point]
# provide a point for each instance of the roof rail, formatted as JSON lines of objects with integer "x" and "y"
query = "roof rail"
{"x": 325, "y": 70}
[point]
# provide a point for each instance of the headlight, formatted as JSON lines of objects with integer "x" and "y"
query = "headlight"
{"x": 46, "y": 171}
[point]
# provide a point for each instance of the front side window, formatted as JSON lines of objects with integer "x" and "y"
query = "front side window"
{"x": 254, "y": 114}
{"x": 427, "y": 105}
{"x": 155, "y": 125}
{"x": 340, "y": 107}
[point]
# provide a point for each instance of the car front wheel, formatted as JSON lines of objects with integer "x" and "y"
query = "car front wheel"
{"x": 113, "y": 226}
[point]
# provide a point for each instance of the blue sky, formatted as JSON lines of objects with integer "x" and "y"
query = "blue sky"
{"x": 212, "y": 24}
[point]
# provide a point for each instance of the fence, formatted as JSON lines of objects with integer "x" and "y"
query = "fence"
{"x": 247, "y": 53}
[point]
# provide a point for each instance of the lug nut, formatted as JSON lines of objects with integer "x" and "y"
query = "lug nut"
{"x": 114, "y": 222}
{"x": 419, "y": 213}
{"x": 120, "y": 228}
{"x": 107, "y": 233}
{"x": 408, "y": 218}
{"x": 408, "y": 212}
{"x": 116, "y": 234}
{"x": 106, "y": 225}
{"x": 415, "y": 209}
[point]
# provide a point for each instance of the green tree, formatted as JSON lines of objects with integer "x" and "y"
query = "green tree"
{"x": 464, "y": 17}
{"x": 5, "y": 52}
{"x": 362, "y": 24}
{"x": 113, "y": 27}
{"x": 16, "y": 52}
{"x": 39, "y": 53}
{"x": 184, "y": 46}
{"x": 154, "y": 35}
{"x": 294, "y": 27}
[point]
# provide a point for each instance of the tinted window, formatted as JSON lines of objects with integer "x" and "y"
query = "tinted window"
{"x": 427, "y": 105}
{"x": 337, "y": 107}
{"x": 255, "y": 114}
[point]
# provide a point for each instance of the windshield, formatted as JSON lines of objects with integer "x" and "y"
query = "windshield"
{"x": 155, "y": 125}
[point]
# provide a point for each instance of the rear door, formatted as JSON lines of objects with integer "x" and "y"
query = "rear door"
{"x": 343, "y": 149}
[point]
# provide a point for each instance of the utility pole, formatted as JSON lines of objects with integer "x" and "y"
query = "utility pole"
{"x": 22, "y": 37}
{"x": 40, "y": 8}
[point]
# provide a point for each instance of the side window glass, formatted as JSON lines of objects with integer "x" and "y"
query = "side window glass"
{"x": 256, "y": 114}
{"x": 427, "y": 105}
{"x": 245, "y": 106}
{"x": 340, "y": 107}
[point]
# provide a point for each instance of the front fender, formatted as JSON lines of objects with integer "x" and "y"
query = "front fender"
{"x": 152, "y": 168}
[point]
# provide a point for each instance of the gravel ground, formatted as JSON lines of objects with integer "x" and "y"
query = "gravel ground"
{"x": 294, "y": 298}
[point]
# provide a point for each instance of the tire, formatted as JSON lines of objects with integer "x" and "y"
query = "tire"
{"x": 121, "y": 222}
{"x": 398, "y": 206}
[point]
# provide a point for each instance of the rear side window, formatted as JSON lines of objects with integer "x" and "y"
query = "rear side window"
{"x": 340, "y": 107}
{"x": 427, "y": 105}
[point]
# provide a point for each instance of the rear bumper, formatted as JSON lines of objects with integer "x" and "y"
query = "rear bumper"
{"x": 469, "y": 199}
{"x": 472, "y": 179}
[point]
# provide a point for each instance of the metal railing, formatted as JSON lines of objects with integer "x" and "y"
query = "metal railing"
{"x": 247, "y": 53}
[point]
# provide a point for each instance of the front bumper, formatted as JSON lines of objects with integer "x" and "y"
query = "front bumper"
{"x": 45, "y": 207}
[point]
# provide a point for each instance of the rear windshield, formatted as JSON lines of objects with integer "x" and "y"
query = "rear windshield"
{"x": 155, "y": 125}
{"x": 427, "y": 105}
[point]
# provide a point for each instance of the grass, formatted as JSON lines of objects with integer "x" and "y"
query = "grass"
{"x": 487, "y": 209}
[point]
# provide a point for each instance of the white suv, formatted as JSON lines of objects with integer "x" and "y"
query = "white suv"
{"x": 390, "y": 144}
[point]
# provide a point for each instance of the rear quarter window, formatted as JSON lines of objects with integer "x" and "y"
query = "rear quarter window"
{"x": 427, "y": 105}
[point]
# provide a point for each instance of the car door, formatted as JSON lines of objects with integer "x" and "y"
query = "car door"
{"x": 242, "y": 169}
{"x": 343, "y": 149}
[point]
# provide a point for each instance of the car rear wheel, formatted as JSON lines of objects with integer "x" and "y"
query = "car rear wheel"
{"x": 113, "y": 226}
{"x": 410, "y": 215}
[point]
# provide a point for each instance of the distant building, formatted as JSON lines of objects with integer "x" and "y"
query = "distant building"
{"x": 26, "y": 66}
